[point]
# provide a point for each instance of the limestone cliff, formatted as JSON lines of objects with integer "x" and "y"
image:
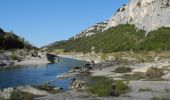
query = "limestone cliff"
{"x": 144, "y": 14}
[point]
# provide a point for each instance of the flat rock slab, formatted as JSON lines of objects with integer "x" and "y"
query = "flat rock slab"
{"x": 158, "y": 86}
{"x": 72, "y": 95}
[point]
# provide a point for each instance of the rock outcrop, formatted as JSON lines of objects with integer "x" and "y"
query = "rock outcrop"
{"x": 144, "y": 14}
{"x": 32, "y": 90}
{"x": 6, "y": 93}
{"x": 92, "y": 30}
{"x": 4, "y": 60}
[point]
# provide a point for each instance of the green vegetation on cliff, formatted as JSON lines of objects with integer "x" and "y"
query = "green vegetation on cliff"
{"x": 9, "y": 40}
{"x": 121, "y": 38}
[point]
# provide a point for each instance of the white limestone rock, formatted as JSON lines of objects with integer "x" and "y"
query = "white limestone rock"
{"x": 6, "y": 93}
{"x": 92, "y": 30}
{"x": 144, "y": 14}
{"x": 29, "y": 89}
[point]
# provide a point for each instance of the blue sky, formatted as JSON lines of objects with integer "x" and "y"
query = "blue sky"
{"x": 45, "y": 21}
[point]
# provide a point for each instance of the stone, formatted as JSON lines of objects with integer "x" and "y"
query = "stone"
{"x": 77, "y": 84}
{"x": 3, "y": 57}
{"x": 29, "y": 89}
{"x": 57, "y": 88}
{"x": 7, "y": 93}
{"x": 0, "y": 93}
{"x": 2, "y": 63}
{"x": 167, "y": 76}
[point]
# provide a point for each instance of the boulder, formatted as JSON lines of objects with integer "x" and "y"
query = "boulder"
{"x": 6, "y": 93}
{"x": 167, "y": 76}
{"x": 2, "y": 63}
{"x": 3, "y": 57}
{"x": 77, "y": 84}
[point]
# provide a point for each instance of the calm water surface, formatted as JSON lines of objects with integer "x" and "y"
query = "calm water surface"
{"x": 30, "y": 75}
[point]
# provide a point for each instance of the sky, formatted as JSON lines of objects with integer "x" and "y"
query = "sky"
{"x": 46, "y": 21}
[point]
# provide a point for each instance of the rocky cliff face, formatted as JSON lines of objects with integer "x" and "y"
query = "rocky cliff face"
{"x": 92, "y": 30}
{"x": 144, "y": 14}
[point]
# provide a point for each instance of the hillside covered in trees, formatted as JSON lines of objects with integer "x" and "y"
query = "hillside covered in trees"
{"x": 9, "y": 40}
{"x": 121, "y": 38}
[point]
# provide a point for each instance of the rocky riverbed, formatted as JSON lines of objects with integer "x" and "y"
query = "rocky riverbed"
{"x": 154, "y": 90}
{"x": 35, "y": 91}
{"x": 140, "y": 89}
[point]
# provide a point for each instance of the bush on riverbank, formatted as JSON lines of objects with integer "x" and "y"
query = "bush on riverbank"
{"x": 123, "y": 69}
{"x": 18, "y": 95}
{"x": 2, "y": 98}
{"x": 105, "y": 87}
{"x": 120, "y": 87}
{"x": 13, "y": 56}
{"x": 135, "y": 76}
{"x": 152, "y": 74}
{"x": 102, "y": 87}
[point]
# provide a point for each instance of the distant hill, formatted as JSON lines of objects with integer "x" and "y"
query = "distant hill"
{"x": 9, "y": 40}
{"x": 52, "y": 46}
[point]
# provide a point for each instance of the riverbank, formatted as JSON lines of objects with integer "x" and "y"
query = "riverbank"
{"x": 32, "y": 91}
{"x": 22, "y": 58}
{"x": 155, "y": 90}
{"x": 141, "y": 88}
{"x": 32, "y": 61}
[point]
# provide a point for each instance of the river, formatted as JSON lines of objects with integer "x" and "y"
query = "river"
{"x": 33, "y": 75}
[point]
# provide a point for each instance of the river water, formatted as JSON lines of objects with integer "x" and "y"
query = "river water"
{"x": 33, "y": 75}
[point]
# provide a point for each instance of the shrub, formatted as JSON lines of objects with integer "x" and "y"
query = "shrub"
{"x": 135, "y": 76}
{"x": 104, "y": 56}
{"x": 2, "y": 98}
{"x": 105, "y": 87}
{"x": 154, "y": 73}
{"x": 157, "y": 98}
{"x": 120, "y": 87}
{"x": 102, "y": 87}
{"x": 14, "y": 57}
{"x": 144, "y": 89}
{"x": 28, "y": 96}
{"x": 123, "y": 69}
{"x": 167, "y": 90}
{"x": 16, "y": 95}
